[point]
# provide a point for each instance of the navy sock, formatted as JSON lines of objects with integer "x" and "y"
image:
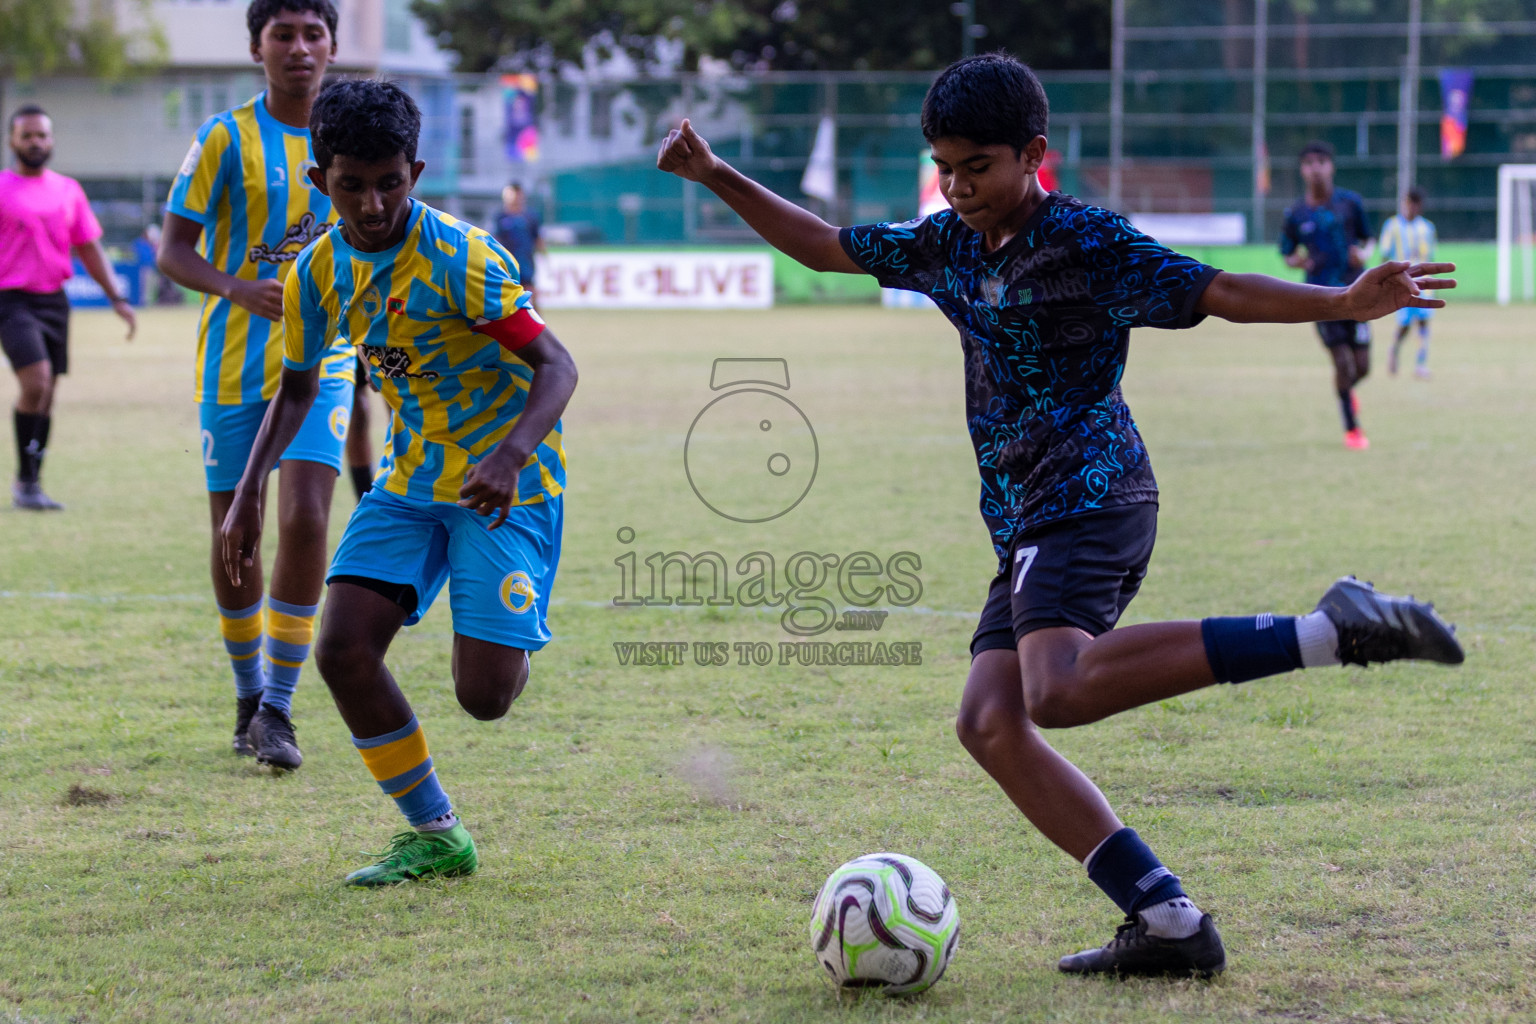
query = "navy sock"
{"x": 1130, "y": 873}
{"x": 1250, "y": 646}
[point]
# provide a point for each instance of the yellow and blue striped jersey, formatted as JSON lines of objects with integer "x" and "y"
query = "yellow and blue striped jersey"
{"x": 412, "y": 310}
{"x": 245, "y": 181}
{"x": 1411, "y": 240}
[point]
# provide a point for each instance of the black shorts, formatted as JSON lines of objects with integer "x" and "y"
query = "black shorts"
{"x": 34, "y": 327}
{"x": 1344, "y": 332}
{"x": 1080, "y": 572}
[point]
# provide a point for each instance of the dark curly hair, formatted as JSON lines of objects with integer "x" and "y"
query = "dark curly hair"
{"x": 262, "y": 11}
{"x": 365, "y": 119}
{"x": 990, "y": 99}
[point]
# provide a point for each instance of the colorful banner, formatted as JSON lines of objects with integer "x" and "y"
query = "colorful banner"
{"x": 520, "y": 121}
{"x": 1456, "y": 95}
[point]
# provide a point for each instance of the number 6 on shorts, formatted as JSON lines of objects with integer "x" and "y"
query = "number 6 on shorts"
{"x": 1027, "y": 556}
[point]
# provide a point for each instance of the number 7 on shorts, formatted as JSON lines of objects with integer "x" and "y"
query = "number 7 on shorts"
{"x": 1027, "y": 556}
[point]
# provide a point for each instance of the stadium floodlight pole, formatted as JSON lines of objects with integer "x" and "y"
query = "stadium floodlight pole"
{"x": 965, "y": 10}
{"x": 1116, "y": 102}
{"x": 1408, "y": 104}
{"x": 1260, "y": 104}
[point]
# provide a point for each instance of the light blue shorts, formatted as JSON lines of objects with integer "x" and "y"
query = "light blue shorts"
{"x": 229, "y": 432}
{"x": 499, "y": 580}
{"x": 1408, "y": 314}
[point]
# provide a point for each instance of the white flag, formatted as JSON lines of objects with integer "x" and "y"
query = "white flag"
{"x": 820, "y": 178}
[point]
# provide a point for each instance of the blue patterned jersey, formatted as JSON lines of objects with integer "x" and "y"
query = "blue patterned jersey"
{"x": 1327, "y": 232}
{"x": 1044, "y": 326}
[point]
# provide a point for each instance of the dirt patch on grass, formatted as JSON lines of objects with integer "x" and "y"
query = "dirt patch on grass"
{"x": 85, "y": 796}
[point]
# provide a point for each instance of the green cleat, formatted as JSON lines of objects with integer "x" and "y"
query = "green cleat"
{"x": 413, "y": 854}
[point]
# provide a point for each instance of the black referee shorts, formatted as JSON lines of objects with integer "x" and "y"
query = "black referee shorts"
{"x": 1080, "y": 572}
{"x": 34, "y": 327}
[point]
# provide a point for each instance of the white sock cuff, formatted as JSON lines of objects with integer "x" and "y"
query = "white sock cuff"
{"x": 1088, "y": 860}
{"x": 1318, "y": 640}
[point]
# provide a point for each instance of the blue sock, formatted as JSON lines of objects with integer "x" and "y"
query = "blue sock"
{"x": 290, "y": 631}
{"x": 241, "y": 630}
{"x": 401, "y": 764}
{"x": 1130, "y": 873}
{"x": 1251, "y": 646}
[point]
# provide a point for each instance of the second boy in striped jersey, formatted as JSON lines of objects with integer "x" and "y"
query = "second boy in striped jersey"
{"x": 1409, "y": 236}
{"x": 476, "y": 386}
{"x": 244, "y": 191}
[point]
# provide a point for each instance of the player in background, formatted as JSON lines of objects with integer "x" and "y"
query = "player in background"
{"x": 1327, "y": 234}
{"x": 1043, "y": 290}
{"x": 517, "y": 229}
{"x": 44, "y": 220}
{"x": 475, "y": 386}
{"x": 241, "y": 209}
{"x": 1408, "y": 236}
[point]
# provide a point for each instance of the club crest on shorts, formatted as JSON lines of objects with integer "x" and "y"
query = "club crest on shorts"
{"x": 517, "y": 592}
{"x": 340, "y": 417}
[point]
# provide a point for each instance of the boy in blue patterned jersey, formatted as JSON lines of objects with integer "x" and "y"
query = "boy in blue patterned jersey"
{"x": 1410, "y": 236}
{"x": 1043, "y": 290}
{"x": 241, "y": 209}
{"x": 476, "y": 386}
{"x": 1327, "y": 233}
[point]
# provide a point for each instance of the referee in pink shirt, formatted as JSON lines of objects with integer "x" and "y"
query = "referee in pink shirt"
{"x": 44, "y": 217}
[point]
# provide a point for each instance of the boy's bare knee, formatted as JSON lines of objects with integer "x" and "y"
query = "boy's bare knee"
{"x": 1050, "y": 701}
{"x": 489, "y": 698}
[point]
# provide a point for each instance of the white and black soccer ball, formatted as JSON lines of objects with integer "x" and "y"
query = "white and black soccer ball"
{"x": 885, "y": 921}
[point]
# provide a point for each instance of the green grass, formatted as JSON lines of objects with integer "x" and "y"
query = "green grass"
{"x": 652, "y": 837}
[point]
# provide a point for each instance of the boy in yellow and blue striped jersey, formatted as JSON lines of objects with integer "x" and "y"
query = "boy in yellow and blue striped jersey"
{"x": 1408, "y": 236}
{"x": 475, "y": 385}
{"x": 241, "y": 209}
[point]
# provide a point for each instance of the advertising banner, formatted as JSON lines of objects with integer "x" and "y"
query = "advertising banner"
{"x": 664, "y": 279}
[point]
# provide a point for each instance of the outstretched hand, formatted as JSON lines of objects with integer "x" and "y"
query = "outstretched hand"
{"x": 1391, "y": 286}
{"x": 685, "y": 153}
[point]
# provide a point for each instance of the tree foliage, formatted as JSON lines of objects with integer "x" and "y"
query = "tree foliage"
{"x": 98, "y": 37}
{"x": 768, "y": 34}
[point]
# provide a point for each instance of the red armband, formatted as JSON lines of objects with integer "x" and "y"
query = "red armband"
{"x": 512, "y": 332}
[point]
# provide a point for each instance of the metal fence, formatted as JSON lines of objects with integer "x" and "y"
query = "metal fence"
{"x": 1198, "y": 124}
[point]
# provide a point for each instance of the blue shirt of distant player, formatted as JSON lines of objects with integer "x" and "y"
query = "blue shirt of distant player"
{"x": 1327, "y": 231}
{"x": 1044, "y": 326}
{"x": 519, "y": 234}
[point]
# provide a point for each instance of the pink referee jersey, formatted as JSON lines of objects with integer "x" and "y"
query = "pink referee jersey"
{"x": 40, "y": 219}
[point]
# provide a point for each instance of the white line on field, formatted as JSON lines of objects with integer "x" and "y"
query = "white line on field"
{"x": 918, "y": 610}
{"x": 60, "y": 595}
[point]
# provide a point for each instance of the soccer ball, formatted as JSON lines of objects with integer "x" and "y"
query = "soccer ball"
{"x": 885, "y": 921}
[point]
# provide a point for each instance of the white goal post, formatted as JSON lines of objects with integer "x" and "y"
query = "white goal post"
{"x": 1517, "y": 189}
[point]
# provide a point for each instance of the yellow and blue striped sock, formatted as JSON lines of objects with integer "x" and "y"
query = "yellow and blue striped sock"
{"x": 290, "y": 631}
{"x": 401, "y": 765}
{"x": 242, "y": 639}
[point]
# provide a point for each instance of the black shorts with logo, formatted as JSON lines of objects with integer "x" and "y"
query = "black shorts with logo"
{"x": 1344, "y": 332}
{"x": 1080, "y": 572}
{"x": 33, "y": 327}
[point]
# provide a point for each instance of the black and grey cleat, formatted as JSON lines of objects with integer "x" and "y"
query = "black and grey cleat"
{"x": 1133, "y": 952}
{"x": 245, "y": 710}
{"x": 1375, "y": 627}
{"x": 272, "y": 736}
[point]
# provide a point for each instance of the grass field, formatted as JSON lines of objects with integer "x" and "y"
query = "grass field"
{"x": 652, "y": 837}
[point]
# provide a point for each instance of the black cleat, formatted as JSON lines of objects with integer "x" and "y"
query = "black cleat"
{"x": 245, "y": 710}
{"x": 1379, "y": 627}
{"x": 30, "y": 496}
{"x": 1133, "y": 951}
{"x": 272, "y": 736}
